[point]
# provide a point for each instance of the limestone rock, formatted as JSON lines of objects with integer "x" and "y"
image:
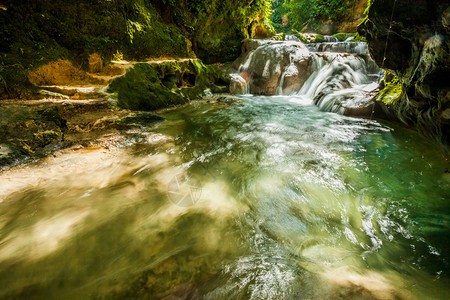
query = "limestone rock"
{"x": 26, "y": 130}
{"x": 238, "y": 85}
{"x": 274, "y": 66}
{"x": 161, "y": 84}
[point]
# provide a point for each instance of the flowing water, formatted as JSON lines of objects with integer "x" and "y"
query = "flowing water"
{"x": 264, "y": 198}
{"x": 348, "y": 47}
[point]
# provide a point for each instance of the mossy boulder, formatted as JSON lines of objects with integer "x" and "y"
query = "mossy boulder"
{"x": 156, "y": 85}
{"x": 301, "y": 37}
{"x": 142, "y": 89}
{"x": 318, "y": 38}
{"x": 355, "y": 37}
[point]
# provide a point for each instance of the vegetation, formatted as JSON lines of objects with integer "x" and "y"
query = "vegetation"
{"x": 311, "y": 13}
{"x": 279, "y": 17}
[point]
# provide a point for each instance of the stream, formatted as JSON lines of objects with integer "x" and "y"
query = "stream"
{"x": 261, "y": 198}
{"x": 249, "y": 197}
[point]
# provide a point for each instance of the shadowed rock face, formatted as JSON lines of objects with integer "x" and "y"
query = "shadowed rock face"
{"x": 418, "y": 54}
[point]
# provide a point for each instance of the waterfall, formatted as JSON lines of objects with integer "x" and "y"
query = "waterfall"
{"x": 339, "y": 83}
{"x": 330, "y": 39}
{"x": 280, "y": 86}
{"x": 342, "y": 47}
{"x": 291, "y": 37}
{"x": 336, "y": 76}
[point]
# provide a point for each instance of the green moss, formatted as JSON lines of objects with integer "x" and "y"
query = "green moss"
{"x": 392, "y": 91}
{"x": 301, "y": 37}
{"x": 34, "y": 32}
{"x": 142, "y": 89}
{"x": 344, "y": 36}
{"x": 159, "y": 85}
{"x": 318, "y": 39}
{"x": 366, "y": 13}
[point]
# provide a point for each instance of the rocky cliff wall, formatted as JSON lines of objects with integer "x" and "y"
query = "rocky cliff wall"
{"x": 417, "y": 54}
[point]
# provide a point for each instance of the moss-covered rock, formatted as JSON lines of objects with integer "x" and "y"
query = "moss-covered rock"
{"x": 301, "y": 37}
{"x": 318, "y": 38}
{"x": 151, "y": 86}
{"x": 355, "y": 37}
{"x": 141, "y": 89}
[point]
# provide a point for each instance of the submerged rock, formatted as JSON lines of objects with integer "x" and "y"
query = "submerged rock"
{"x": 33, "y": 130}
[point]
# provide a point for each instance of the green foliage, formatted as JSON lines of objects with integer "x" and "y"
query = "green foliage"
{"x": 118, "y": 56}
{"x": 312, "y": 13}
{"x": 366, "y": 12}
{"x": 278, "y": 11}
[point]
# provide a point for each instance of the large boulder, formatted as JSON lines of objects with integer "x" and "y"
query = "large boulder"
{"x": 274, "y": 67}
{"x": 238, "y": 85}
{"x": 161, "y": 84}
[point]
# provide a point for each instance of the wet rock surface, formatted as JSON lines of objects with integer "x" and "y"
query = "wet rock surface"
{"x": 36, "y": 129}
{"x": 27, "y": 130}
{"x": 61, "y": 72}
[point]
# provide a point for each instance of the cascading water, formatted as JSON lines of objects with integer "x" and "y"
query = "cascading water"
{"x": 333, "y": 75}
{"x": 344, "y": 47}
{"x": 338, "y": 83}
{"x": 330, "y": 39}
